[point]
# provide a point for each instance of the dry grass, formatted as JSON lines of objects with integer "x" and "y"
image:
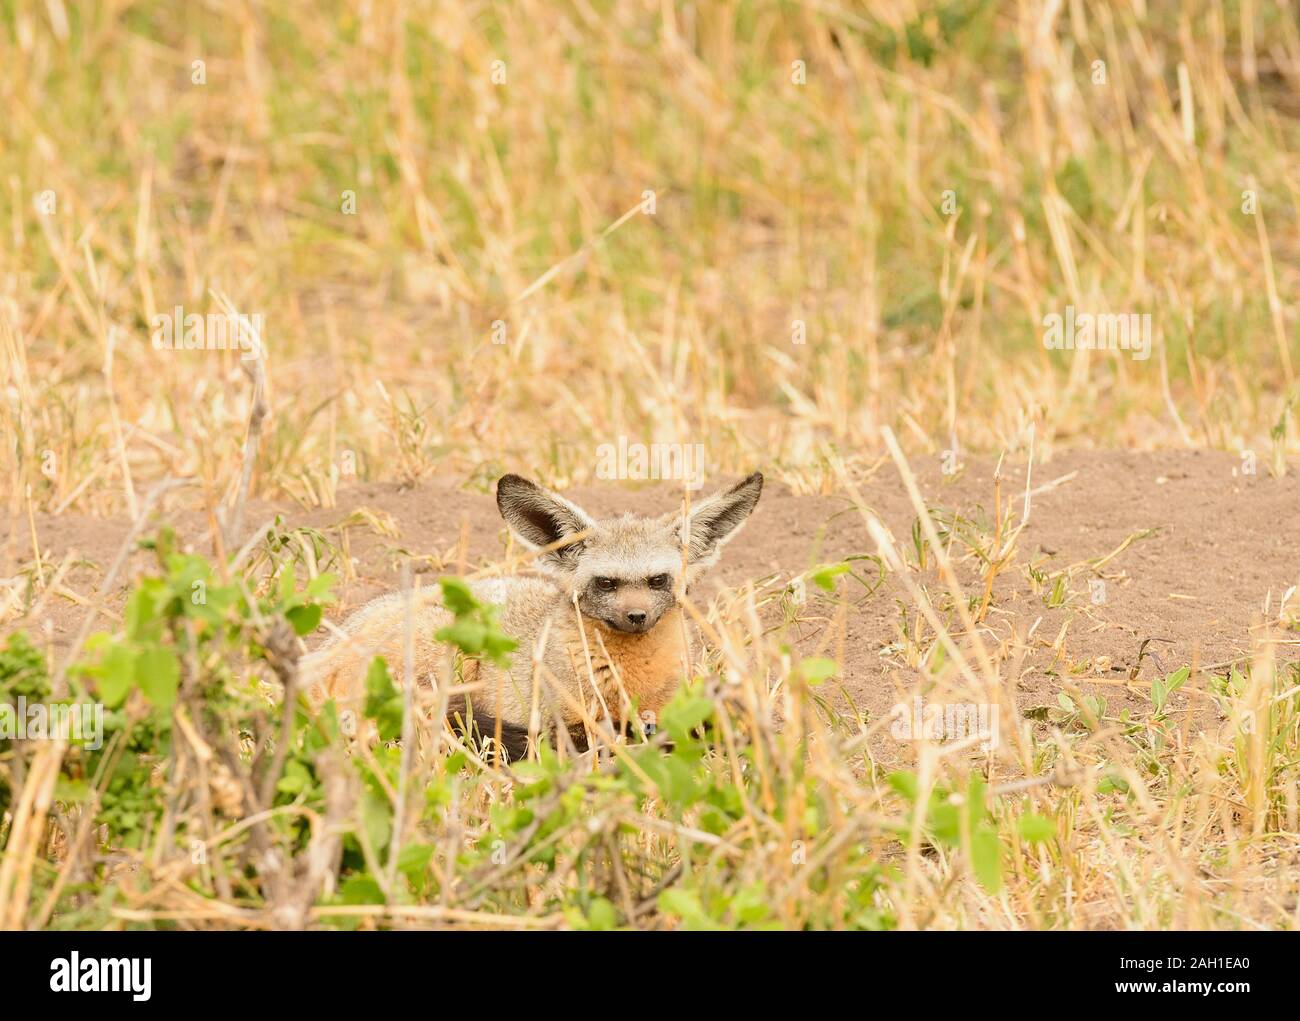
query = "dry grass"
{"x": 774, "y": 202}
{"x": 514, "y": 212}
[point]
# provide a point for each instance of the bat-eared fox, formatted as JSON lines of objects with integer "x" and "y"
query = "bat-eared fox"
{"x": 599, "y": 618}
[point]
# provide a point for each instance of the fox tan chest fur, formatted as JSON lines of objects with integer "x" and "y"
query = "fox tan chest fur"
{"x": 643, "y": 669}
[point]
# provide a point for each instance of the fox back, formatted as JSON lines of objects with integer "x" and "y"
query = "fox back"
{"x": 600, "y": 631}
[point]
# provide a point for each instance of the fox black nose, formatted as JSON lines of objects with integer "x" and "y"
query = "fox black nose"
{"x": 636, "y": 617}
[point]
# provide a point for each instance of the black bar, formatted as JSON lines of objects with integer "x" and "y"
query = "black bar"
{"x": 255, "y": 971}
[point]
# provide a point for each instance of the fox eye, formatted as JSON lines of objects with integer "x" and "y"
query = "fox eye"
{"x": 606, "y": 584}
{"x": 657, "y": 581}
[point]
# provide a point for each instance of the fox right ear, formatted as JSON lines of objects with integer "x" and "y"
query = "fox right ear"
{"x": 540, "y": 518}
{"x": 718, "y": 518}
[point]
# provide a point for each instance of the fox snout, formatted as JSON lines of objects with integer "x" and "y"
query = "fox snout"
{"x": 631, "y": 610}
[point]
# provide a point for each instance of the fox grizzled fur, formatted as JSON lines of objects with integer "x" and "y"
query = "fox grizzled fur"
{"x": 601, "y": 616}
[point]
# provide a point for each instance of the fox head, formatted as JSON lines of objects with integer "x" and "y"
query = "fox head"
{"x": 624, "y": 570}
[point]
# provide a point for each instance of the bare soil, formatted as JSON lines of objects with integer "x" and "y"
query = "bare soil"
{"x": 1221, "y": 549}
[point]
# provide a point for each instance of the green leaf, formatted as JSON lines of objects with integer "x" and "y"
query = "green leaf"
{"x": 457, "y": 596}
{"x": 320, "y": 587}
{"x": 158, "y": 672}
{"x": 944, "y": 820}
{"x": 376, "y": 817}
{"x": 413, "y": 863}
{"x": 287, "y": 584}
{"x": 824, "y": 576}
{"x": 497, "y": 647}
{"x": 296, "y": 779}
{"x": 71, "y": 791}
{"x": 685, "y": 904}
{"x": 383, "y": 701}
{"x": 475, "y": 630}
{"x": 817, "y": 669}
{"x": 905, "y": 783}
{"x": 305, "y": 619}
{"x": 361, "y": 890}
{"x": 467, "y": 635}
{"x": 23, "y": 670}
{"x": 116, "y": 675}
{"x": 1036, "y": 829}
{"x": 681, "y": 786}
{"x": 684, "y": 713}
{"x": 986, "y": 856}
{"x": 140, "y": 611}
{"x": 379, "y": 686}
{"x": 601, "y": 915}
{"x": 751, "y": 904}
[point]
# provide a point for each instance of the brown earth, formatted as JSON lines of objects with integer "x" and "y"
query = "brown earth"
{"x": 1222, "y": 547}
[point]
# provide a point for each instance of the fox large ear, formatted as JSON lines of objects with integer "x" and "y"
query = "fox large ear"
{"x": 540, "y": 518}
{"x": 719, "y": 517}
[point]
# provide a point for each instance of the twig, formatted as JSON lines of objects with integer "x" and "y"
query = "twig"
{"x": 252, "y": 441}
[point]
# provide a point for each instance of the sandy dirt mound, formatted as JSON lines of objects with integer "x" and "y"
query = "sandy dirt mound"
{"x": 1208, "y": 550}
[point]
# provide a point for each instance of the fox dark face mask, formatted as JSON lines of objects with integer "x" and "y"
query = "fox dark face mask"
{"x": 626, "y": 571}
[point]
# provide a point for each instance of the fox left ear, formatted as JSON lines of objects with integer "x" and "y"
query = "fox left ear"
{"x": 541, "y": 519}
{"x": 715, "y": 520}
